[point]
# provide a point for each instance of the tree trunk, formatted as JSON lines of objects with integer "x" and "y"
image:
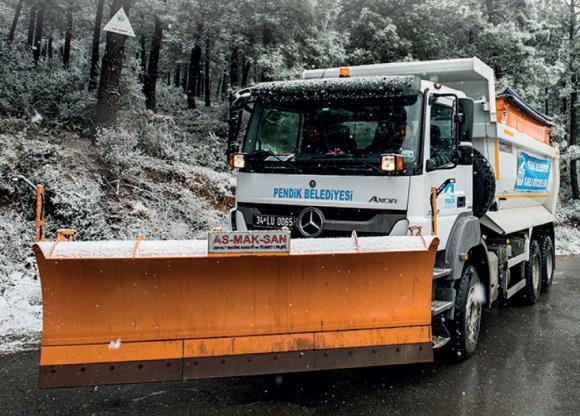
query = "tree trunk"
{"x": 38, "y": 32}
{"x": 185, "y": 78}
{"x": 195, "y": 60}
{"x": 225, "y": 84}
{"x": 234, "y": 68}
{"x": 143, "y": 59}
{"x": 15, "y": 21}
{"x": 177, "y": 76}
{"x": 218, "y": 89}
{"x": 564, "y": 105}
{"x": 31, "y": 24}
{"x": 489, "y": 8}
{"x": 200, "y": 84}
{"x": 246, "y": 73}
{"x": 207, "y": 74}
{"x": 49, "y": 47}
{"x": 67, "y": 37}
{"x": 94, "y": 72}
{"x": 108, "y": 94}
{"x": 572, "y": 135}
{"x": 470, "y": 36}
{"x": 149, "y": 88}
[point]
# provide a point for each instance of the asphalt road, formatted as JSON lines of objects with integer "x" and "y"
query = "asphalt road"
{"x": 528, "y": 363}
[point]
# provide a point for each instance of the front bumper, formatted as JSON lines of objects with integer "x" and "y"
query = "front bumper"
{"x": 341, "y": 220}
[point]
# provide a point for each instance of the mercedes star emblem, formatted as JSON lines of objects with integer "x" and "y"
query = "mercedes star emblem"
{"x": 310, "y": 222}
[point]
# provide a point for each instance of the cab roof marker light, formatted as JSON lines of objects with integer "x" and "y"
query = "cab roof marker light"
{"x": 344, "y": 72}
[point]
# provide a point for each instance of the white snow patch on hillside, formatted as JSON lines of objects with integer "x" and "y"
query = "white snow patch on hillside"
{"x": 567, "y": 233}
{"x": 567, "y": 240}
{"x": 20, "y": 313}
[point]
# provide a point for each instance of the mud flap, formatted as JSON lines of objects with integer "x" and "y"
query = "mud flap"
{"x": 114, "y": 313}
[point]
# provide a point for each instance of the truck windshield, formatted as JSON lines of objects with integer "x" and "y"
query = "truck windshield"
{"x": 317, "y": 131}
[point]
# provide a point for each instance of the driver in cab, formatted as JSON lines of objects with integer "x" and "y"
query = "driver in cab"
{"x": 339, "y": 141}
{"x": 391, "y": 133}
{"x": 313, "y": 142}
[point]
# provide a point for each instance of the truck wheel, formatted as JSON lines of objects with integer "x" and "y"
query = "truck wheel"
{"x": 483, "y": 184}
{"x": 533, "y": 275}
{"x": 548, "y": 262}
{"x": 464, "y": 328}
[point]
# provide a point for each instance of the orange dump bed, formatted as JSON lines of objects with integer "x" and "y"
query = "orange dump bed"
{"x": 513, "y": 112}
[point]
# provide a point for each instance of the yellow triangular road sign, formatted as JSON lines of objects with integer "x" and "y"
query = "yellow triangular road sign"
{"x": 120, "y": 24}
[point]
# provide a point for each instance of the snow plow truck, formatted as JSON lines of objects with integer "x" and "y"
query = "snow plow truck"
{"x": 378, "y": 210}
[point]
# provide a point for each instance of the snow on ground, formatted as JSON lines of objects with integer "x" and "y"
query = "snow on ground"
{"x": 567, "y": 240}
{"x": 567, "y": 228}
{"x": 20, "y": 313}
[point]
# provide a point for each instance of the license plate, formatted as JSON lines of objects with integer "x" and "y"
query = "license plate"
{"x": 274, "y": 221}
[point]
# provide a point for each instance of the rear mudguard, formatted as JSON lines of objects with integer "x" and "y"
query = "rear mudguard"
{"x": 121, "y": 312}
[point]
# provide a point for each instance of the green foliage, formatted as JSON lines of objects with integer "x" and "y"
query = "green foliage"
{"x": 373, "y": 38}
{"x": 525, "y": 41}
{"x": 56, "y": 94}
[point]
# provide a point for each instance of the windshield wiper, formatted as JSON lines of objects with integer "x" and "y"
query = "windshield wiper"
{"x": 361, "y": 162}
{"x": 265, "y": 153}
{"x": 367, "y": 164}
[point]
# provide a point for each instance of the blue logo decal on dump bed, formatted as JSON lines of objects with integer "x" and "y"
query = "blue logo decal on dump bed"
{"x": 533, "y": 173}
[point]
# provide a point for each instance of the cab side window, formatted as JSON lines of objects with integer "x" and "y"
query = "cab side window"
{"x": 441, "y": 128}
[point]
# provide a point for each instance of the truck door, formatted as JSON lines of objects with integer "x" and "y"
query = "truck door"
{"x": 441, "y": 165}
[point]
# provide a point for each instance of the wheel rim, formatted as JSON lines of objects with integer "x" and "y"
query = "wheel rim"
{"x": 536, "y": 273}
{"x": 473, "y": 316}
{"x": 549, "y": 265}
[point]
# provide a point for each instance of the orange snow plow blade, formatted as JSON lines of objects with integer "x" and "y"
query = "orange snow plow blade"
{"x": 124, "y": 312}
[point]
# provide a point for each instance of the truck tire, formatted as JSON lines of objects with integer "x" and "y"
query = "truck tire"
{"x": 464, "y": 329}
{"x": 548, "y": 262}
{"x": 483, "y": 184}
{"x": 533, "y": 275}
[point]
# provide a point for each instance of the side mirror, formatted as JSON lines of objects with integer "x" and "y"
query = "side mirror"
{"x": 234, "y": 123}
{"x": 430, "y": 165}
{"x": 238, "y": 100}
{"x": 465, "y": 119}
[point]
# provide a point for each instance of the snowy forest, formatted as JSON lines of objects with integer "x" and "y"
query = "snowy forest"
{"x": 128, "y": 133}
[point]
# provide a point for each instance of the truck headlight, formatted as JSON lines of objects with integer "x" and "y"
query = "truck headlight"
{"x": 392, "y": 163}
{"x": 237, "y": 161}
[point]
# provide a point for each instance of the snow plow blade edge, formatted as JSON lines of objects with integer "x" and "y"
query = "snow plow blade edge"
{"x": 121, "y": 312}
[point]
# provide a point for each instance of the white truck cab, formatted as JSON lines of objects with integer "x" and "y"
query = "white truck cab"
{"x": 338, "y": 191}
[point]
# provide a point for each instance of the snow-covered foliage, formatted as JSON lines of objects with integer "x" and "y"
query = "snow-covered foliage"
{"x": 115, "y": 191}
{"x": 48, "y": 90}
{"x": 20, "y": 304}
